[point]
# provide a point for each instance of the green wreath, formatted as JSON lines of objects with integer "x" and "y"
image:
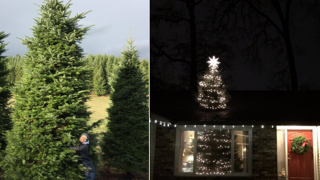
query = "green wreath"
{"x": 300, "y": 145}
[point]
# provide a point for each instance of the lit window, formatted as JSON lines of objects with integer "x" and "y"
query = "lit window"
{"x": 213, "y": 152}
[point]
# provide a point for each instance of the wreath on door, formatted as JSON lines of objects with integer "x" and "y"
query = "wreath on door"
{"x": 300, "y": 145}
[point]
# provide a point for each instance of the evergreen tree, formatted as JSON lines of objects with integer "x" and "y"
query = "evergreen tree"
{"x": 144, "y": 66}
{"x": 100, "y": 82}
{"x": 5, "y": 94}
{"x": 212, "y": 92}
{"x": 49, "y": 112}
{"x": 125, "y": 144}
{"x": 14, "y": 65}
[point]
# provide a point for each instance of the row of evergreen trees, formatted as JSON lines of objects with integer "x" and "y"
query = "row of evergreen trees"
{"x": 101, "y": 65}
{"x": 49, "y": 112}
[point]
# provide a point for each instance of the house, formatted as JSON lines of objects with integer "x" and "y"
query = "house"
{"x": 250, "y": 139}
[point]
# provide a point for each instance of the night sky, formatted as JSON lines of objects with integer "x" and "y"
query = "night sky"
{"x": 226, "y": 29}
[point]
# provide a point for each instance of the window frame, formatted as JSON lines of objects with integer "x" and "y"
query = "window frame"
{"x": 195, "y": 128}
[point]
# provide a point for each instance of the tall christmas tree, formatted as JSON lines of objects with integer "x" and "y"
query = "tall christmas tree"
{"x": 49, "y": 112}
{"x": 5, "y": 94}
{"x": 212, "y": 91}
{"x": 126, "y": 141}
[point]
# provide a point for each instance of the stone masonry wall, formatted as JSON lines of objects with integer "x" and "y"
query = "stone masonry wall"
{"x": 264, "y": 158}
{"x": 264, "y": 150}
{"x": 164, "y": 153}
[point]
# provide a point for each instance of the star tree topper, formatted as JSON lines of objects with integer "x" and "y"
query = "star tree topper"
{"x": 213, "y": 62}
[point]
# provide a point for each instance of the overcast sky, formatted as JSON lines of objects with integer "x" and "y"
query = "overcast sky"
{"x": 112, "y": 20}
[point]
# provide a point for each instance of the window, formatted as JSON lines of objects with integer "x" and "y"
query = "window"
{"x": 215, "y": 151}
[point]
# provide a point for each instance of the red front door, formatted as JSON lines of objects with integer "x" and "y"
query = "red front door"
{"x": 300, "y": 166}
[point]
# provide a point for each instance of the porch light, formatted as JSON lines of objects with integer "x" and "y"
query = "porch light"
{"x": 214, "y": 125}
{"x": 204, "y": 125}
{"x": 242, "y": 125}
{"x": 223, "y": 126}
{"x": 195, "y": 125}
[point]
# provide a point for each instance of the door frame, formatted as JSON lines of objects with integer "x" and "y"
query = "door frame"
{"x": 314, "y": 129}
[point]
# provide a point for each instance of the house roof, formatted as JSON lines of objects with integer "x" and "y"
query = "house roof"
{"x": 245, "y": 107}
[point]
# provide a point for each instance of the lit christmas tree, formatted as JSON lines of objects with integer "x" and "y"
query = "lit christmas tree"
{"x": 212, "y": 92}
{"x": 214, "y": 152}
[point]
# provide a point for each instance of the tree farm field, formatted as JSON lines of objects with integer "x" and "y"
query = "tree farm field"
{"x": 98, "y": 107}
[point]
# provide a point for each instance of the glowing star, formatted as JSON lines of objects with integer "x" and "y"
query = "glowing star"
{"x": 213, "y": 62}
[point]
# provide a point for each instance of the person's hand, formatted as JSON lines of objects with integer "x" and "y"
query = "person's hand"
{"x": 83, "y": 139}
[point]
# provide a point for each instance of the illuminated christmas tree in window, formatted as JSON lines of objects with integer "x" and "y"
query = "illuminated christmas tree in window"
{"x": 212, "y": 91}
{"x": 214, "y": 152}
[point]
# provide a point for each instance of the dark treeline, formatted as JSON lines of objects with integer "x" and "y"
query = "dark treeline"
{"x": 102, "y": 67}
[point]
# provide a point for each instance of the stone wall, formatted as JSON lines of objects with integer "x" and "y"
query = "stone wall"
{"x": 264, "y": 158}
{"x": 264, "y": 150}
{"x": 164, "y": 153}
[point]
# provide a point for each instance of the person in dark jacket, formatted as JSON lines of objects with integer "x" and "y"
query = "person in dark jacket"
{"x": 83, "y": 151}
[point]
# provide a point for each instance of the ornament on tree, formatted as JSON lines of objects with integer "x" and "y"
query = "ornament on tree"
{"x": 212, "y": 91}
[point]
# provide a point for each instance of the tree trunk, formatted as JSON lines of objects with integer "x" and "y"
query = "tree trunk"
{"x": 291, "y": 64}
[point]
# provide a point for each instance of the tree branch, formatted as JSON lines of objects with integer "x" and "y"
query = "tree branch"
{"x": 265, "y": 16}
